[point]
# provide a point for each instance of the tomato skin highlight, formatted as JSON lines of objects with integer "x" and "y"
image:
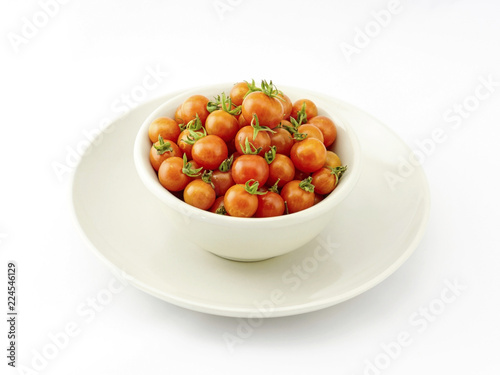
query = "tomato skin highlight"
{"x": 296, "y": 198}
{"x": 269, "y": 110}
{"x": 195, "y": 105}
{"x": 308, "y": 155}
{"x": 281, "y": 168}
{"x": 199, "y": 194}
{"x": 240, "y": 203}
{"x": 270, "y": 204}
{"x": 170, "y": 174}
{"x": 222, "y": 124}
{"x": 250, "y": 167}
{"x": 156, "y": 159}
{"x": 209, "y": 151}
{"x": 166, "y": 127}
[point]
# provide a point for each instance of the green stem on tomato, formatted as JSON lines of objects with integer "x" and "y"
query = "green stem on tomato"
{"x": 188, "y": 170}
{"x": 225, "y": 166}
{"x": 306, "y": 185}
{"x": 252, "y": 187}
{"x": 249, "y": 148}
{"x": 270, "y": 155}
{"x": 162, "y": 146}
{"x": 257, "y": 128}
{"x": 338, "y": 172}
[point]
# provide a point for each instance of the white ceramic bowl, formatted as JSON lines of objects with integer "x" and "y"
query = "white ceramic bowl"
{"x": 251, "y": 239}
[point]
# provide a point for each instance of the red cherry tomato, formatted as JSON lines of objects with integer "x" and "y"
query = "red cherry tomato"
{"x": 310, "y": 108}
{"x": 296, "y": 198}
{"x": 199, "y": 194}
{"x": 162, "y": 150}
{"x": 209, "y": 151}
{"x": 282, "y": 139}
{"x": 262, "y": 140}
{"x": 239, "y": 202}
{"x": 250, "y": 167}
{"x": 308, "y": 155}
{"x": 270, "y": 204}
{"x": 164, "y": 126}
{"x": 194, "y": 105}
{"x": 222, "y": 182}
{"x": 222, "y": 124}
{"x": 268, "y": 109}
{"x": 170, "y": 174}
{"x": 281, "y": 168}
{"x": 310, "y": 131}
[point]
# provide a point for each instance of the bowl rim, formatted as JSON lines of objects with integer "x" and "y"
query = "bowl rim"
{"x": 149, "y": 179}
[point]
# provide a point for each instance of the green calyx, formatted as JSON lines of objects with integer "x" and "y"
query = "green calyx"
{"x": 206, "y": 177}
{"x": 224, "y": 103}
{"x": 195, "y": 124}
{"x": 267, "y": 88}
{"x": 162, "y": 146}
{"x": 293, "y": 130}
{"x": 306, "y": 185}
{"x": 274, "y": 188}
{"x": 225, "y": 166}
{"x": 252, "y": 187}
{"x": 257, "y": 128}
{"x": 194, "y": 135}
{"x": 221, "y": 210}
{"x": 249, "y": 148}
{"x": 301, "y": 117}
{"x": 188, "y": 169}
{"x": 270, "y": 155}
{"x": 338, "y": 172}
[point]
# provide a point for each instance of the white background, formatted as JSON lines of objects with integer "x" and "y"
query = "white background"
{"x": 72, "y": 73}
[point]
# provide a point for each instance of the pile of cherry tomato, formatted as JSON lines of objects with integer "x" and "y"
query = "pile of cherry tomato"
{"x": 254, "y": 153}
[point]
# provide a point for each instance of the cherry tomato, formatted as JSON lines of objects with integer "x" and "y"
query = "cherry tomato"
{"x": 209, "y": 151}
{"x": 162, "y": 150}
{"x": 324, "y": 181}
{"x": 308, "y": 155}
{"x": 299, "y": 175}
{"x": 171, "y": 176}
{"x": 311, "y": 131}
{"x": 318, "y": 198}
{"x": 268, "y": 109}
{"x": 199, "y": 194}
{"x": 332, "y": 160}
{"x": 296, "y": 198}
{"x": 262, "y": 140}
{"x": 327, "y": 127}
{"x": 238, "y": 93}
{"x": 311, "y": 109}
{"x": 270, "y": 204}
{"x": 218, "y": 206}
{"x": 281, "y": 168}
{"x": 282, "y": 139}
{"x": 222, "y": 182}
{"x": 239, "y": 202}
{"x": 222, "y": 124}
{"x": 166, "y": 127}
{"x": 250, "y": 167}
{"x": 196, "y": 104}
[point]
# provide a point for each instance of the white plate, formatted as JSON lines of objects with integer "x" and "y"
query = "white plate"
{"x": 377, "y": 228}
